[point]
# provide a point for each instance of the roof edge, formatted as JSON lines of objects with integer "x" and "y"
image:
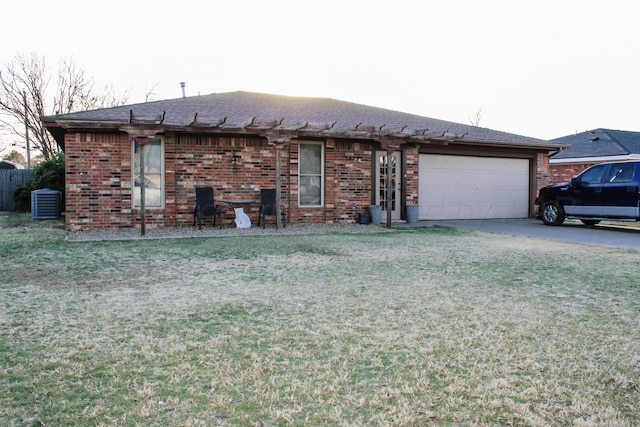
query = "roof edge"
{"x": 548, "y": 146}
{"x": 599, "y": 159}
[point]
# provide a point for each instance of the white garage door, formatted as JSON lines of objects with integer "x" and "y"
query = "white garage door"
{"x": 462, "y": 187}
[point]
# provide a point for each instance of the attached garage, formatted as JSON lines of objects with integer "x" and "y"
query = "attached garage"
{"x": 473, "y": 187}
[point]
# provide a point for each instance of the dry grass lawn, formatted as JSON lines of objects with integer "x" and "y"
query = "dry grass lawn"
{"x": 428, "y": 326}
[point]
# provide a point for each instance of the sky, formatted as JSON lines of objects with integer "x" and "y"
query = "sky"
{"x": 538, "y": 68}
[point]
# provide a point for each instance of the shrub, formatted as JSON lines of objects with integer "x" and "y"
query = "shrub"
{"x": 48, "y": 174}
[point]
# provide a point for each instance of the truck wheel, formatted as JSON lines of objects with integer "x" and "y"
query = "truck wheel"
{"x": 552, "y": 213}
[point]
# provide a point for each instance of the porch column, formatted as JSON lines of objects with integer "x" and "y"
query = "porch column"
{"x": 390, "y": 145}
{"x": 141, "y": 137}
{"x": 278, "y": 142}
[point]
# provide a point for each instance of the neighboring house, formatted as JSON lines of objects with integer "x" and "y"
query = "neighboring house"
{"x": 335, "y": 159}
{"x": 589, "y": 148}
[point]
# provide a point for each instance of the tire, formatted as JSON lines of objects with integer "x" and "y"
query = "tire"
{"x": 552, "y": 213}
{"x": 590, "y": 222}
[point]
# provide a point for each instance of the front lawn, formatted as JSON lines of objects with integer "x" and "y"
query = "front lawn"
{"x": 413, "y": 327}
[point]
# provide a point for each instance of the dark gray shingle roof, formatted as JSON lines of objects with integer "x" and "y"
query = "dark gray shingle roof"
{"x": 599, "y": 143}
{"x": 242, "y": 107}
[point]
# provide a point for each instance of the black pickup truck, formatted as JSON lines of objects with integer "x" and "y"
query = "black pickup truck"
{"x": 607, "y": 191}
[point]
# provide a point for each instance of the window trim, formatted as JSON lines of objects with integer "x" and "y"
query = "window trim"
{"x": 162, "y": 175}
{"x": 321, "y": 175}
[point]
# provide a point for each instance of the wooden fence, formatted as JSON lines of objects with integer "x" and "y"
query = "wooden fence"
{"x": 9, "y": 180}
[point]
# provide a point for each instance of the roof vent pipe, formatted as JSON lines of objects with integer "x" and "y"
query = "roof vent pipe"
{"x": 182, "y": 84}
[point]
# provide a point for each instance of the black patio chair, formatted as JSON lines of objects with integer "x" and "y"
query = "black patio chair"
{"x": 268, "y": 206}
{"x": 205, "y": 206}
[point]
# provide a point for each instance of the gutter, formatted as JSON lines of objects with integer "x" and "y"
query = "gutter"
{"x": 534, "y": 145}
{"x": 600, "y": 159}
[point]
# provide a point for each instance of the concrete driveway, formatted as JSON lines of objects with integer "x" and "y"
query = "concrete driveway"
{"x": 570, "y": 231}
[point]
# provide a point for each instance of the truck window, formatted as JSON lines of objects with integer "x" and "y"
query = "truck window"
{"x": 622, "y": 172}
{"x": 593, "y": 175}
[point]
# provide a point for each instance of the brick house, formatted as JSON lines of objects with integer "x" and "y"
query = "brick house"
{"x": 330, "y": 160}
{"x": 589, "y": 148}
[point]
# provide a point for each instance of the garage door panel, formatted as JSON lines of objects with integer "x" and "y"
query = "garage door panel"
{"x": 461, "y": 187}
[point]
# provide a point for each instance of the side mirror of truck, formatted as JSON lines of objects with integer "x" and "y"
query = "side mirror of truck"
{"x": 575, "y": 182}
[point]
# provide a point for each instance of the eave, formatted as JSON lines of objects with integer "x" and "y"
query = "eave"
{"x": 513, "y": 144}
{"x": 595, "y": 159}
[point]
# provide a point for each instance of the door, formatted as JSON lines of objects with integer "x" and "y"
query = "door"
{"x": 471, "y": 187}
{"x": 585, "y": 195}
{"x": 383, "y": 161}
{"x": 620, "y": 191}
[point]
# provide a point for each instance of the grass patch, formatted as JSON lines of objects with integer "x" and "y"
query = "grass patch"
{"x": 415, "y": 327}
{"x": 434, "y": 229}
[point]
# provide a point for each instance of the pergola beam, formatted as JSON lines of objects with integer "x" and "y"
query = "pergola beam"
{"x": 203, "y": 121}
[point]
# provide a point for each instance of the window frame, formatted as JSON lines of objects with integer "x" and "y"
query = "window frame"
{"x": 603, "y": 169}
{"x": 321, "y": 175}
{"x": 135, "y": 190}
{"x": 617, "y": 174}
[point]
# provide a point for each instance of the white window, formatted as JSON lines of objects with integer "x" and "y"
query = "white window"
{"x": 311, "y": 175}
{"x": 153, "y": 174}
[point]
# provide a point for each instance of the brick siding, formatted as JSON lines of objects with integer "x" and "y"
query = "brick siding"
{"x": 97, "y": 180}
{"x": 564, "y": 173}
{"x": 99, "y": 177}
{"x": 543, "y": 173}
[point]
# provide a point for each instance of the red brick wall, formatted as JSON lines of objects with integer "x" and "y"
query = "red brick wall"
{"x": 99, "y": 176}
{"x": 548, "y": 174}
{"x": 564, "y": 173}
{"x": 97, "y": 180}
{"x": 412, "y": 167}
{"x": 348, "y": 181}
{"x": 543, "y": 173}
{"x": 236, "y": 168}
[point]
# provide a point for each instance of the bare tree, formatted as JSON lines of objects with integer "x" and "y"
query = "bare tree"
{"x": 15, "y": 157}
{"x": 475, "y": 119}
{"x": 77, "y": 93}
{"x": 22, "y": 85}
{"x": 150, "y": 92}
{"x": 24, "y": 98}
